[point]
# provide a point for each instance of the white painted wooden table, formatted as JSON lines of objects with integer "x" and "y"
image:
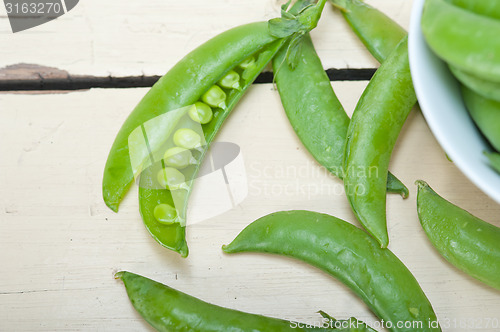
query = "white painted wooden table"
{"x": 60, "y": 245}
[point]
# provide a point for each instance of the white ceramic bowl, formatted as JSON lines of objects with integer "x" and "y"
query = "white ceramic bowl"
{"x": 441, "y": 102}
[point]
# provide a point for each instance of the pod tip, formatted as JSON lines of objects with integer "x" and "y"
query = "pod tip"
{"x": 421, "y": 184}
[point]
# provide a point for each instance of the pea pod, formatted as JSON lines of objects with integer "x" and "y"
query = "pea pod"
{"x": 378, "y": 32}
{"x": 466, "y": 241}
{"x": 490, "y": 8}
{"x": 167, "y": 309}
{"x": 373, "y": 131}
{"x": 494, "y": 159}
{"x": 183, "y": 85}
{"x": 173, "y": 236}
{"x": 487, "y": 89}
{"x": 314, "y": 111}
{"x": 347, "y": 253}
{"x": 165, "y": 119}
{"x": 486, "y": 115}
{"x": 196, "y": 135}
{"x": 475, "y": 47}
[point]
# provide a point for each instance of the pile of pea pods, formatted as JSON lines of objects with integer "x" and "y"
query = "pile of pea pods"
{"x": 473, "y": 57}
{"x": 163, "y": 142}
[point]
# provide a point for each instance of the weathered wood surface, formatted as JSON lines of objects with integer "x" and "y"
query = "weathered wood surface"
{"x": 110, "y": 39}
{"x": 60, "y": 245}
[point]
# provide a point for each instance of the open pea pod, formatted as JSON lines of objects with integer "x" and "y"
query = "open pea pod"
{"x": 486, "y": 115}
{"x": 182, "y": 86}
{"x": 163, "y": 141}
{"x": 167, "y": 309}
{"x": 314, "y": 111}
{"x": 494, "y": 159}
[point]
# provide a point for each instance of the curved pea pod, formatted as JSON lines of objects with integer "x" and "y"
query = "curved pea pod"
{"x": 347, "y": 253}
{"x": 165, "y": 111}
{"x": 462, "y": 38}
{"x": 183, "y": 85}
{"x": 487, "y": 89}
{"x": 167, "y": 309}
{"x": 486, "y": 115}
{"x": 494, "y": 159}
{"x": 490, "y": 8}
{"x": 376, "y": 30}
{"x": 466, "y": 241}
{"x": 315, "y": 113}
{"x": 376, "y": 123}
{"x": 173, "y": 236}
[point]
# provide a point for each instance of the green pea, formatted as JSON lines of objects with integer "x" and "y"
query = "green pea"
{"x": 187, "y": 138}
{"x": 200, "y": 112}
{"x": 170, "y": 178}
{"x": 230, "y": 81}
{"x": 215, "y": 97}
{"x": 247, "y": 62}
{"x": 165, "y": 214}
{"x": 178, "y": 157}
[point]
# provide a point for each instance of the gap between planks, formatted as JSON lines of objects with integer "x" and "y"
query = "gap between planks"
{"x": 31, "y": 77}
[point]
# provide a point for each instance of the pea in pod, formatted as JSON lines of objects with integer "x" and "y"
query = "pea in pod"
{"x": 377, "y": 120}
{"x": 486, "y": 115}
{"x": 315, "y": 113}
{"x": 467, "y": 242}
{"x": 167, "y": 309}
{"x": 473, "y": 47}
{"x": 347, "y": 253}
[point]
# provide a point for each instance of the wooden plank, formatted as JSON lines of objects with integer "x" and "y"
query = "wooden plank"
{"x": 108, "y": 39}
{"x": 60, "y": 245}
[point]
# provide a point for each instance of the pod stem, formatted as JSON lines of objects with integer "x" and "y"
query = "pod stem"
{"x": 340, "y": 4}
